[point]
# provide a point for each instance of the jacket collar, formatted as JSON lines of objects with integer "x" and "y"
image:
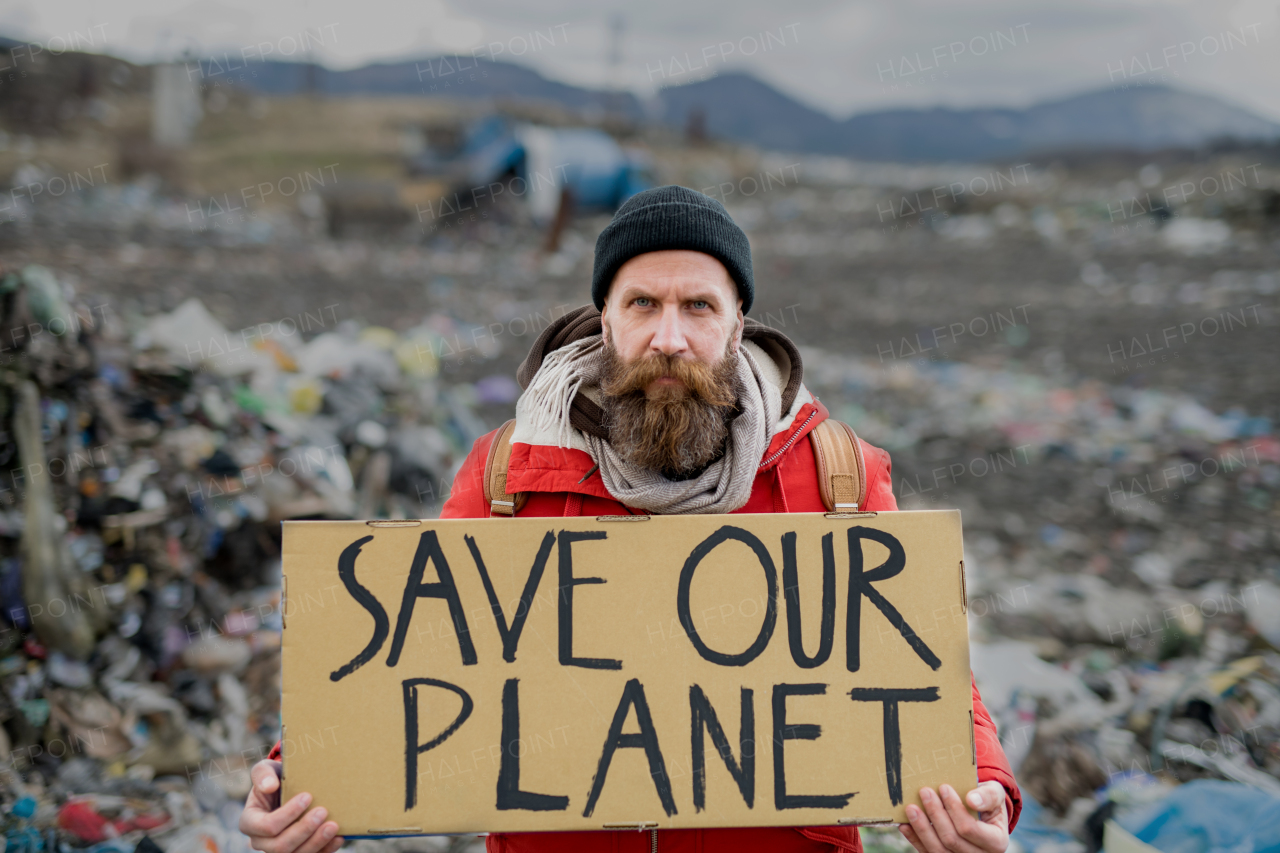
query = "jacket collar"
{"x": 539, "y": 464}
{"x": 547, "y": 468}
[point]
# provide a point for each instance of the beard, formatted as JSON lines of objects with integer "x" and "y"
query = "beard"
{"x": 674, "y": 429}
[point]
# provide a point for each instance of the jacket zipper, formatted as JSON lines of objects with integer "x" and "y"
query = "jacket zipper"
{"x": 790, "y": 441}
{"x": 653, "y": 841}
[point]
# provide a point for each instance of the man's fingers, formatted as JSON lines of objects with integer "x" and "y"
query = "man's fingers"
{"x": 299, "y": 833}
{"x": 319, "y": 839}
{"x": 272, "y": 823}
{"x": 966, "y": 825}
{"x": 926, "y": 838}
{"x": 266, "y": 776}
{"x": 910, "y": 835}
{"x": 302, "y": 831}
{"x": 987, "y": 797}
{"x": 264, "y": 779}
{"x": 334, "y": 845}
{"x": 942, "y": 824}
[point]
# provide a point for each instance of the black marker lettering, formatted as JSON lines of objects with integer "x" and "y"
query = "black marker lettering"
{"x": 366, "y": 599}
{"x": 892, "y": 734}
{"x": 782, "y": 732}
{"x": 564, "y": 610}
{"x": 704, "y": 548}
{"x": 511, "y": 636}
{"x": 411, "y": 747}
{"x": 509, "y": 794}
{"x": 429, "y": 550}
{"x": 791, "y": 594}
{"x": 646, "y": 739}
{"x": 860, "y": 585}
{"x": 703, "y": 716}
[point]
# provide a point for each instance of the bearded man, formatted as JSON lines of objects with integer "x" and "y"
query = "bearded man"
{"x": 663, "y": 398}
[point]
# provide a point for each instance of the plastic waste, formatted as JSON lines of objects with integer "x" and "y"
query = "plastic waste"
{"x": 94, "y": 818}
{"x": 1210, "y": 816}
{"x": 1263, "y": 607}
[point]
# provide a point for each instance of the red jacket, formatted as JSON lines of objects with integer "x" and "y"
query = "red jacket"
{"x": 557, "y": 481}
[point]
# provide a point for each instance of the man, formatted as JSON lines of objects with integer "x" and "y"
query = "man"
{"x": 669, "y": 401}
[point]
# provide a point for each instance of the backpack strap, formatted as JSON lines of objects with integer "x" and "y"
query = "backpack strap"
{"x": 842, "y": 476}
{"x": 496, "y": 496}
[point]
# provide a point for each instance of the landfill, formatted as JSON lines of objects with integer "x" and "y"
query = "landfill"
{"x": 1122, "y": 654}
{"x": 176, "y": 380}
{"x": 148, "y": 467}
{"x": 1127, "y": 645}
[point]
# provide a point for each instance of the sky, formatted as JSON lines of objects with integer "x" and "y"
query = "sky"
{"x": 841, "y": 57}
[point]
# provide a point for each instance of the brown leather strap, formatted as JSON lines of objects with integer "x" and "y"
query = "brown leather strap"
{"x": 496, "y": 496}
{"x": 842, "y": 476}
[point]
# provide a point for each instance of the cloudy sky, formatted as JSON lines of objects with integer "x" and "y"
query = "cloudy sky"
{"x": 842, "y": 57}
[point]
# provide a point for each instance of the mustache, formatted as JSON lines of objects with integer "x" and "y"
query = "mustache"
{"x": 710, "y": 384}
{"x": 674, "y": 429}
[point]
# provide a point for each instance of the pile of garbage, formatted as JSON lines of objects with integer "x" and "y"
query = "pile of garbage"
{"x": 147, "y": 464}
{"x": 1126, "y": 642}
{"x": 1127, "y": 647}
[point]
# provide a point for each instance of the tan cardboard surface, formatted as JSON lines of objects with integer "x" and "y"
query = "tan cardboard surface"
{"x": 605, "y": 710}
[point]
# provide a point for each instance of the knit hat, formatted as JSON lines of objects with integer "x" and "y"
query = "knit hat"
{"x": 672, "y": 217}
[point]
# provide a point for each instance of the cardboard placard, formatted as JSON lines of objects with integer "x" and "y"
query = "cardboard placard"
{"x": 536, "y": 674}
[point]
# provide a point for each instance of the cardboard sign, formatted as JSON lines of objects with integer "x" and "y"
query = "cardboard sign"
{"x": 590, "y": 673}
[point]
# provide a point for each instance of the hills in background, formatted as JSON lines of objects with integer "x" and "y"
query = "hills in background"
{"x": 461, "y": 77}
{"x": 1142, "y": 118}
{"x": 739, "y": 107}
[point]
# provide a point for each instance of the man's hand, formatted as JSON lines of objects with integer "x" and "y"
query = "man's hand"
{"x": 945, "y": 825}
{"x": 273, "y": 828}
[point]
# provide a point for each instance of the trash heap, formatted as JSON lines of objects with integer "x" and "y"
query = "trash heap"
{"x": 1127, "y": 646}
{"x": 147, "y": 464}
{"x": 1125, "y": 642}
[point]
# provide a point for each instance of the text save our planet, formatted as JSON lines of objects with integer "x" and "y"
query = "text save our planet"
{"x": 632, "y": 697}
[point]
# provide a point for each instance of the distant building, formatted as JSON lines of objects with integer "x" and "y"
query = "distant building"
{"x": 175, "y": 104}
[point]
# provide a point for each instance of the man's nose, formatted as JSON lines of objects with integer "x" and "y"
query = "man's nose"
{"x": 669, "y": 338}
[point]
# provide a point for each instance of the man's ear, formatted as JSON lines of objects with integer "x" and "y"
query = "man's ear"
{"x": 742, "y": 325}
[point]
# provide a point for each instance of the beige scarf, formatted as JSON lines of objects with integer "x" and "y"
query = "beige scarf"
{"x": 723, "y": 487}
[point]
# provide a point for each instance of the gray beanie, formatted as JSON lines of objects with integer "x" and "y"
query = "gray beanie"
{"x": 672, "y": 217}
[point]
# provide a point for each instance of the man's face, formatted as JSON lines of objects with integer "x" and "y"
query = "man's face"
{"x": 672, "y": 323}
{"x": 674, "y": 302}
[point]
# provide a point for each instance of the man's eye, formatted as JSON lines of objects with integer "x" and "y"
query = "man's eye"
{"x": 699, "y": 304}
{"x": 642, "y": 301}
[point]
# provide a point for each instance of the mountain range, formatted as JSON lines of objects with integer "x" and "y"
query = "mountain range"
{"x": 739, "y": 107}
{"x": 1144, "y": 118}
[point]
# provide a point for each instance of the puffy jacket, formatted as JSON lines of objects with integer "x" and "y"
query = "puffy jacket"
{"x": 787, "y": 481}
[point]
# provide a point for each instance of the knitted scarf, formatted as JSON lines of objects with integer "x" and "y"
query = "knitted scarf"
{"x": 723, "y": 487}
